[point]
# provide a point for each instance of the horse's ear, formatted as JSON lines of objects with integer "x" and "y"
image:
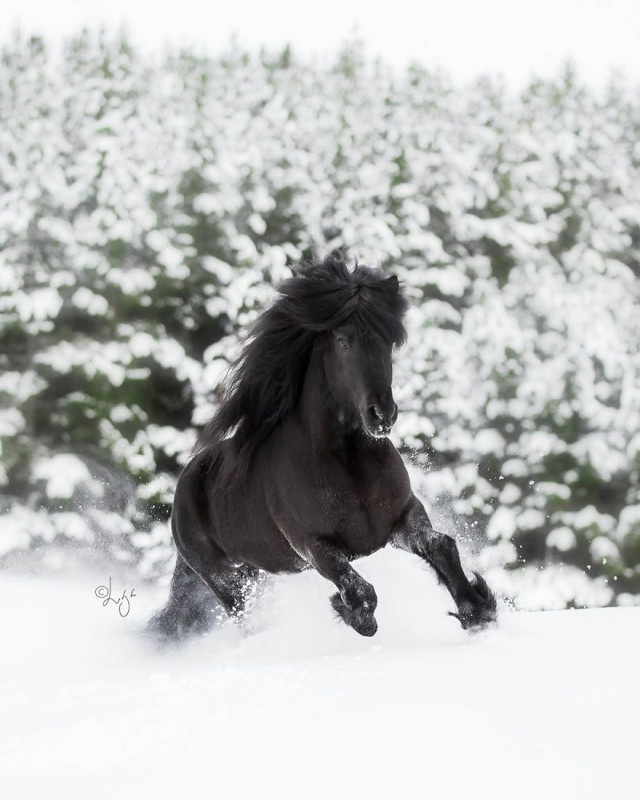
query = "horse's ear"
{"x": 394, "y": 282}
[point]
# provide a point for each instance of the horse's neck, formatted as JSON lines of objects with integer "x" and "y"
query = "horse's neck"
{"x": 327, "y": 423}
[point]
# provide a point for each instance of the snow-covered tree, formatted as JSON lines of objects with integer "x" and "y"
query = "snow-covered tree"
{"x": 148, "y": 205}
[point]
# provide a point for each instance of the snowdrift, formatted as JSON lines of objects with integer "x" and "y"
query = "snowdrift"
{"x": 545, "y": 705}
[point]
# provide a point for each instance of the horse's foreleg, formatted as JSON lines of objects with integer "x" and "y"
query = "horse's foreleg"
{"x": 475, "y": 601}
{"x": 356, "y": 599}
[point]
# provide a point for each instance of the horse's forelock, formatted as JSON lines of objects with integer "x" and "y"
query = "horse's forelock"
{"x": 325, "y": 295}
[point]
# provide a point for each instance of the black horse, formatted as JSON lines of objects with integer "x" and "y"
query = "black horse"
{"x": 295, "y": 469}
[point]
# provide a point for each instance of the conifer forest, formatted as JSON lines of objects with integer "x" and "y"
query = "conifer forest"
{"x": 150, "y": 203}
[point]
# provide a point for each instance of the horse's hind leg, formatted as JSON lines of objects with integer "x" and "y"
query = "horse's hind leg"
{"x": 356, "y": 599}
{"x": 232, "y": 585}
{"x": 204, "y": 580}
{"x": 198, "y": 599}
{"x": 475, "y": 601}
{"x": 191, "y": 608}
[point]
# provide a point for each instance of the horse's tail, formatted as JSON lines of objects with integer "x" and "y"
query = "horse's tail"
{"x": 192, "y": 608}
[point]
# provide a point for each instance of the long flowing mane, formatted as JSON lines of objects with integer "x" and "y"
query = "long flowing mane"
{"x": 266, "y": 380}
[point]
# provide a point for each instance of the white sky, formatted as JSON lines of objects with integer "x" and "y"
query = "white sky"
{"x": 467, "y": 37}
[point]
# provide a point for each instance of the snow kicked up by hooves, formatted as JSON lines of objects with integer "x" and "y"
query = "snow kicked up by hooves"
{"x": 544, "y": 705}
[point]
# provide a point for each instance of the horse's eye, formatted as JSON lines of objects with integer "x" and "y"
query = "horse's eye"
{"x": 343, "y": 342}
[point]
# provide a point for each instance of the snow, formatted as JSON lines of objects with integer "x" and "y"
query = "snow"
{"x": 562, "y": 539}
{"x": 545, "y": 705}
{"x": 39, "y": 304}
{"x": 63, "y": 474}
{"x": 89, "y": 301}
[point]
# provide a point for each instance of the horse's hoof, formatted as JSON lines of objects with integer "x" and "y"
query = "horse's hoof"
{"x": 361, "y": 620}
{"x": 365, "y": 627}
{"x": 481, "y": 611}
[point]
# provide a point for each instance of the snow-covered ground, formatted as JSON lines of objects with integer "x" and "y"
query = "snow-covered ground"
{"x": 545, "y": 706}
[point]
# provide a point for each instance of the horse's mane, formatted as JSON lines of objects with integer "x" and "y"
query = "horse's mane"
{"x": 266, "y": 380}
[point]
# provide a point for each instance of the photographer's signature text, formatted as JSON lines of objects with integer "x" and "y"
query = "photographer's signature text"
{"x": 123, "y": 603}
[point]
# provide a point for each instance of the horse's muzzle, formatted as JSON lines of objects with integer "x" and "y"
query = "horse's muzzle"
{"x": 380, "y": 419}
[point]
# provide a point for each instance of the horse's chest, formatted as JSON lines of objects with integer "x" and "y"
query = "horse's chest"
{"x": 356, "y": 498}
{"x": 362, "y": 508}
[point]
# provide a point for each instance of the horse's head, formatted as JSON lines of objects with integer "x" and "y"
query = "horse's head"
{"x": 358, "y": 369}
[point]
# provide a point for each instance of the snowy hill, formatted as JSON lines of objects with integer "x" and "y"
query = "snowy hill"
{"x": 546, "y": 705}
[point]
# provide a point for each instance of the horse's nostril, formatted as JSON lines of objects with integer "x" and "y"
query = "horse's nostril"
{"x": 376, "y": 413}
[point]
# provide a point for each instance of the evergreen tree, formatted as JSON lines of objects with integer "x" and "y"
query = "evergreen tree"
{"x": 148, "y": 205}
